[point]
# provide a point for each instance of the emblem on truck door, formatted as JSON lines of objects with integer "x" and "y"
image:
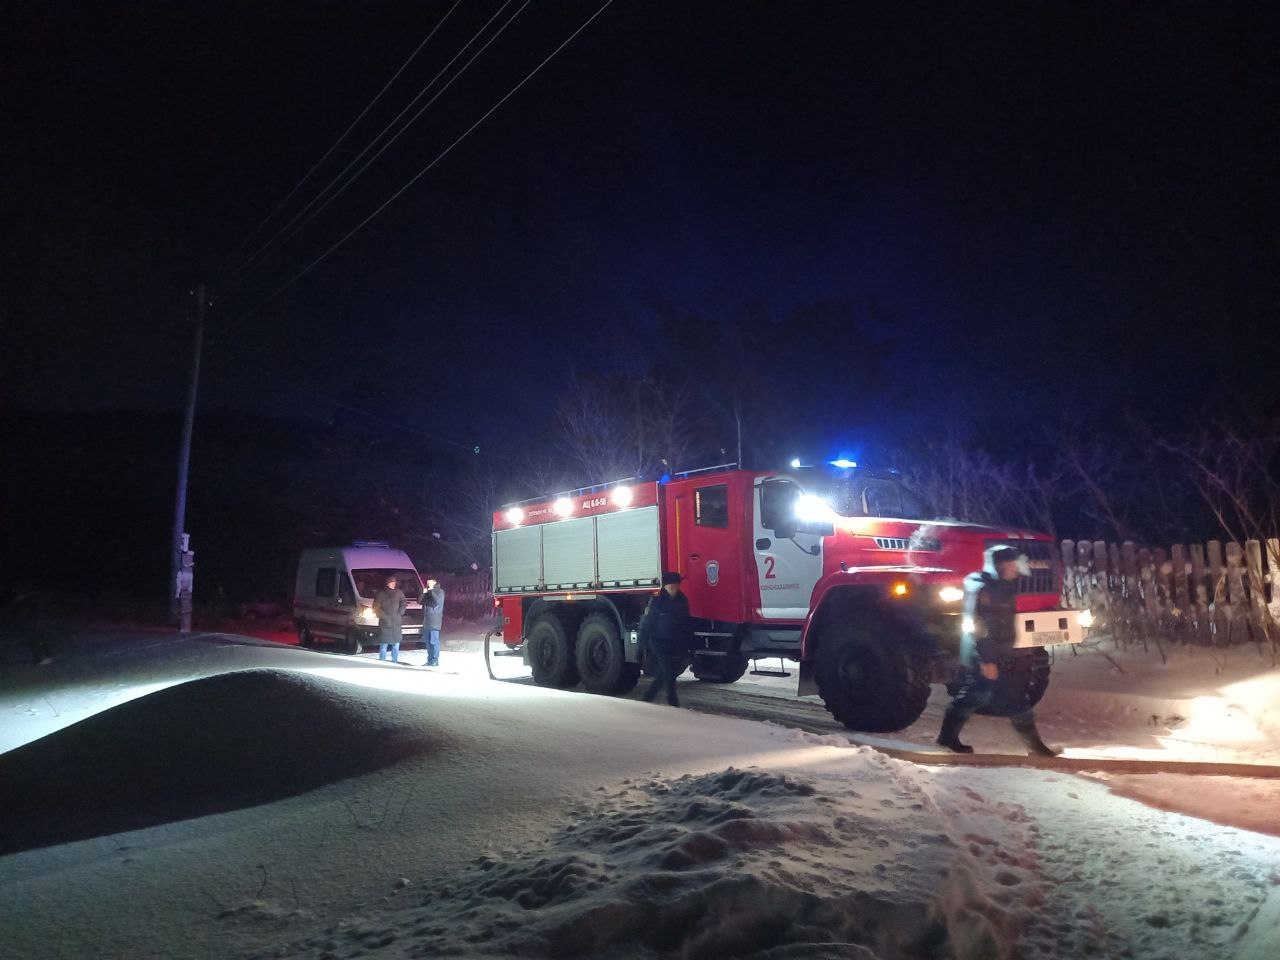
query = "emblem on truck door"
{"x": 713, "y": 572}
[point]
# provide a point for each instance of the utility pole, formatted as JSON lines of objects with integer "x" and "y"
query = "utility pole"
{"x": 737, "y": 416}
{"x": 181, "y": 557}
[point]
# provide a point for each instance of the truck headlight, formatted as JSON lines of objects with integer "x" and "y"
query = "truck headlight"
{"x": 1085, "y": 618}
{"x": 366, "y": 615}
{"x": 950, "y": 594}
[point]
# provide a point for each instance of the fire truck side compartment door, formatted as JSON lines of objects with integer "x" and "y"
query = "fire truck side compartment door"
{"x": 568, "y": 554}
{"x": 517, "y": 559}
{"x": 629, "y": 547}
{"x": 790, "y": 564}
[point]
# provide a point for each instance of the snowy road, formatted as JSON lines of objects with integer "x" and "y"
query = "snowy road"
{"x": 211, "y": 798}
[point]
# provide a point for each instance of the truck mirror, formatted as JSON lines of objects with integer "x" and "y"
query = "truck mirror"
{"x": 784, "y": 529}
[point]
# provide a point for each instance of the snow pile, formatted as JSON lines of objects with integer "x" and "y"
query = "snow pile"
{"x": 741, "y": 863}
{"x": 214, "y": 744}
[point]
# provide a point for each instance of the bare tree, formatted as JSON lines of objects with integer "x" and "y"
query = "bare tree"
{"x": 970, "y": 484}
{"x": 1236, "y": 468}
{"x": 622, "y": 427}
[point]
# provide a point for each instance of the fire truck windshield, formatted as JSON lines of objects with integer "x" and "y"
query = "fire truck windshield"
{"x": 869, "y": 496}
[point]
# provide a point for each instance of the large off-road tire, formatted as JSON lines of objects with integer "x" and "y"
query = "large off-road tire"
{"x": 870, "y": 681}
{"x": 1024, "y": 678}
{"x": 551, "y": 653}
{"x": 601, "y": 660}
{"x": 352, "y": 645}
{"x": 719, "y": 668}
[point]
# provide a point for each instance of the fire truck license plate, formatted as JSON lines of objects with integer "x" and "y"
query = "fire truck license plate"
{"x": 1047, "y": 638}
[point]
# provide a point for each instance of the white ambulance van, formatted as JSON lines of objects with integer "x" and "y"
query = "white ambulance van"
{"x": 333, "y": 599}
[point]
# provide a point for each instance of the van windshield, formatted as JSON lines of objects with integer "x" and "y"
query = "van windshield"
{"x": 369, "y": 582}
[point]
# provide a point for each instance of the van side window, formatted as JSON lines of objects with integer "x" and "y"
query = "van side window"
{"x": 346, "y": 593}
{"x": 711, "y": 506}
{"x": 326, "y": 580}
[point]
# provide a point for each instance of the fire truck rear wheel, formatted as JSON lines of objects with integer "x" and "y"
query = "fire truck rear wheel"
{"x": 551, "y": 653}
{"x": 872, "y": 683}
{"x": 1024, "y": 678}
{"x": 602, "y": 663}
{"x": 726, "y": 668}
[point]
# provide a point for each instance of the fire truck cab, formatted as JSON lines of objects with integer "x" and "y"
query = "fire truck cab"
{"x": 839, "y": 571}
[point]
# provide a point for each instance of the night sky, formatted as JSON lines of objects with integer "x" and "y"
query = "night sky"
{"x": 1079, "y": 200}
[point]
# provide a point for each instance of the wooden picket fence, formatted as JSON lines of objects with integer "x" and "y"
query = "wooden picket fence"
{"x": 1197, "y": 593}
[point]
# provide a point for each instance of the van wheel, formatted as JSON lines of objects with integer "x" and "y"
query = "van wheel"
{"x": 305, "y": 638}
{"x": 351, "y": 645}
{"x": 601, "y": 662}
{"x": 728, "y": 668}
{"x": 551, "y": 653}
{"x": 869, "y": 682}
{"x": 1024, "y": 678}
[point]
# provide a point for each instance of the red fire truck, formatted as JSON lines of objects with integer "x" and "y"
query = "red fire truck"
{"x": 839, "y": 570}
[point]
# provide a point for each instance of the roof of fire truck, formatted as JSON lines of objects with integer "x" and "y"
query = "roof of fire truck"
{"x": 619, "y": 490}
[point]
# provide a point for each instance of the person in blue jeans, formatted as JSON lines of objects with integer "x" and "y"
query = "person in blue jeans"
{"x": 389, "y": 606}
{"x": 432, "y": 618}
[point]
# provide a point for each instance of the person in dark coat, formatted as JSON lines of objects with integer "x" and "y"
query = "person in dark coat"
{"x": 665, "y": 636}
{"x": 990, "y": 609}
{"x": 432, "y": 620}
{"x": 389, "y": 605}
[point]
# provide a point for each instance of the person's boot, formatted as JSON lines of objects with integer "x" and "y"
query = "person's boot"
{"x": 1031, "y": 737}
{"x": 949, "y": 736}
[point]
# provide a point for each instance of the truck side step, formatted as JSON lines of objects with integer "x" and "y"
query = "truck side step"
{"x": 780, "y": 672}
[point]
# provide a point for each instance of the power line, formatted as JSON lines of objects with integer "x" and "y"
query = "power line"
{"x": 280, "y": 235}
{"x": 425, "y": 170}
{"x": 345, "y": 133}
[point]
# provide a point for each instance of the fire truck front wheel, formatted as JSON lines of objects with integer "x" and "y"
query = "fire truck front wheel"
{"x": 872, "y": 683}
{"x": 602, "y": 663}
{"x": 551, "y": 653}
{"x": 719, "y": 668}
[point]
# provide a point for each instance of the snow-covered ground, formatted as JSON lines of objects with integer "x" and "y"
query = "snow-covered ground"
{"x": 217, "y": 797}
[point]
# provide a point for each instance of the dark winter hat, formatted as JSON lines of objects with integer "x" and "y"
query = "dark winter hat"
{"x": 670, "y": 576}
{"x": 1004, "y": 555}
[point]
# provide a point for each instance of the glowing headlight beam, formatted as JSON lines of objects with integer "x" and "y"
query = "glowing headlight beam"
{"x": 950, "y": 594}
{"x": 811, "y": 508}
